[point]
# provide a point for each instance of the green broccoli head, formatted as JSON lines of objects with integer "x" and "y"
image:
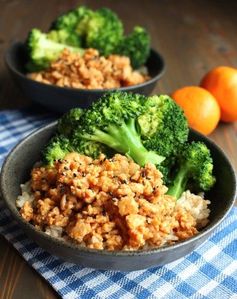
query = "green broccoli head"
{"x": 67, "y": 126}
{"x": 198, "y": 159}
{"x": 101, "y": 30}
{"x": 66, "y": 37}
{"x": 163, "y": 126}
{"x": 70, "y": 19}
{"x": 136, "y": 46}
{"x": 42, "y": 51}
{"x": 112, "y": 108}
{"x": 56, "y": 149}
{"x": 195, "y": 168}
{"x": 166, "y": 168}
{"x": 65, "y": 141}
{"x": 68, "y": 122}
{"x": 112, "y": 121}
{"x": 91, "y": 148}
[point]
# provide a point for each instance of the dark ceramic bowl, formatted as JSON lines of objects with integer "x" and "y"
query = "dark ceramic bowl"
{"x": 16, "y": 170}
{"x": 61, "y": 99}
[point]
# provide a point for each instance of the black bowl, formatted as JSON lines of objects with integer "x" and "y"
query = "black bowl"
{"x": 61, "y": 99}
{"x": 16, "y": 170}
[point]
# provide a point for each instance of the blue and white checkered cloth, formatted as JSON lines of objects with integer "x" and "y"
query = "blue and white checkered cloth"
{"x": 208, "y": 272}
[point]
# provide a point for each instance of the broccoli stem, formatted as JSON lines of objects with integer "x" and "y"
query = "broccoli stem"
{"x": 125, "y": 139}
{"x": 179, "y": 183}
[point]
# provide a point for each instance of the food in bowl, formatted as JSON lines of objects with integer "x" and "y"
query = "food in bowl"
{"x": 111, "y": 204}
{"x": 90, "y": 71}
{"x": 74, "y": 36}
{"x": 117, "y": 176}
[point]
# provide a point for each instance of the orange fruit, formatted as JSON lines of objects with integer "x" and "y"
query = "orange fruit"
{"x": 200, "y": 107}
{"x": 222, "y": 83}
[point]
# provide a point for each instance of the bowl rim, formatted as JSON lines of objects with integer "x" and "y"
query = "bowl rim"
{"x": 75, "y": 247}
{"x": 17, "y": 44}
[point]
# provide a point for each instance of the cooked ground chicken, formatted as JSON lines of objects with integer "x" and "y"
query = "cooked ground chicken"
{"x": 111, "y": 204}
{"x": 90, "y": 71}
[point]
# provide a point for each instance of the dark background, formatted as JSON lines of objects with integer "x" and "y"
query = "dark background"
{"x": 192, "y": 36}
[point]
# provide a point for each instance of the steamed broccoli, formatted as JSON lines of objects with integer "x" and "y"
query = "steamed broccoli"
{"x": 195, "y": 167}
{"x": 65, "y": 37}
{"x": 113, "y": 121}
{"x": 68, "y": 122}
{"x": 164, "y": 127}
{"x": 56, "y": 149}
{"x": 108, "y": 125}
{"x": 42, "y": 51}
{"x": 136, "y": 46}
{"x": 166, "y": 168}
{"x": 71, "y": 19}
{"x": 64, "y": 142}
{"x": 91, "y": 148}
{"x": 140, "y": 127}
{"x": 101, "y": 30}
{"x": 59, "y": 146}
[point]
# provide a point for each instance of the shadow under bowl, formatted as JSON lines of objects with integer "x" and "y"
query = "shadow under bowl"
{"x": 61, "y": 99}
{"x": 16, "y": 170}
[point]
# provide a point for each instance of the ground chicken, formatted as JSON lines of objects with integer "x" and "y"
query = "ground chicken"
{"x": 90, "y": 71}
{"x": 110, "y": 204}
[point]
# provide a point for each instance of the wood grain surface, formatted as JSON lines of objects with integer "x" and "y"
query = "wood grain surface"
{"x": 193, "y": 37}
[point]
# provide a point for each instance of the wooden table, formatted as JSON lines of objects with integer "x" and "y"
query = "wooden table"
{"x": 193, "y": 37}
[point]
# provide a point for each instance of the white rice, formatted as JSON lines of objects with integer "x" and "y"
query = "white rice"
{"x": 197, "y": 206}
{"x": 26, "y": 195}
{"x": 54, "y": 231}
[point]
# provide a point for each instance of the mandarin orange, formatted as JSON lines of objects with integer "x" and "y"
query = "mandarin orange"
{"x": 200, "y": 107}
{"x": 222, "y": 83}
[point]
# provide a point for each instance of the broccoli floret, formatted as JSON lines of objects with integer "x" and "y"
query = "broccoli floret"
{"x": 68, "y": 122}
{"x": 101, "y": 30}
{"x": 70, "y": 19}
{"x": 91, "y": 148}
{"x": 42, "y": 51}
{"x": 65, "y": 37}
{"x": 195, "y": 168}
{"x": 112, "y": 121}
{"x": 59, "y": 146}
{"x": 164, "y": 127}
{"x": 166, "y": 168}
{"x": 65, "y": 140}
{"x": 56, "y": 149}
{"x": 136, "y": 46}
{"x": 145, "y": 129}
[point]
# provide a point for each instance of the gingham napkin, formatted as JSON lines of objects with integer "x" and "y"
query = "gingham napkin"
{"x": 208, "y": 272}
